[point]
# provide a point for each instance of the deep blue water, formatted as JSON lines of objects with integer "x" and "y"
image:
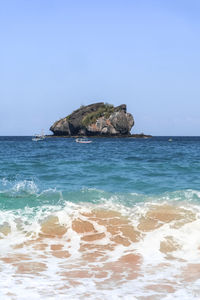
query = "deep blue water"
{"x": 131, "y": 170}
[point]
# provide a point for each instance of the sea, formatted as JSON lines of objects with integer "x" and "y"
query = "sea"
{"x": 118, "y": 218}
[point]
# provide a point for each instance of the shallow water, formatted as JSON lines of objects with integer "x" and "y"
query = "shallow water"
{"x": 117, "y": 218}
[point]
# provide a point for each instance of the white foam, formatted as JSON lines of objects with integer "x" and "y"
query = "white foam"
{"x": 26, "y": 226}
{"x": 28, "y": 186}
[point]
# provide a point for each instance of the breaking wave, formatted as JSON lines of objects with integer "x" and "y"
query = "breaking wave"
{"x": 89, "y": 250}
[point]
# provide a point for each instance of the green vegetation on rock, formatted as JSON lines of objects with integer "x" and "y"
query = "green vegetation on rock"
{"x": 104, "y": 111}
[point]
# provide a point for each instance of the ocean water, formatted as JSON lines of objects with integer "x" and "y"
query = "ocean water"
{"x": 115, "y": 219}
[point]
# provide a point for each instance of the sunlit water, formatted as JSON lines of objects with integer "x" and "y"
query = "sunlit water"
{"x": 114, "y": 219}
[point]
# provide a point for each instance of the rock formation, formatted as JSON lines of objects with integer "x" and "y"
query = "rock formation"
{"x": 96, "y": 119}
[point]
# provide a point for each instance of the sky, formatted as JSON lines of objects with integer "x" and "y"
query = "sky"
{"x": 57, "y": 55}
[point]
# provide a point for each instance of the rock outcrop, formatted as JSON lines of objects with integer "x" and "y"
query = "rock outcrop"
{"x": 95, "y": 120}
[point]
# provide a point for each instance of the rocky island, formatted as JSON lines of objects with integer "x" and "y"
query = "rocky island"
{"x": 98, "y": 119}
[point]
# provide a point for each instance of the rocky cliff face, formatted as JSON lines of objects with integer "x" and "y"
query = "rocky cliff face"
{"x": 95, "y": 119}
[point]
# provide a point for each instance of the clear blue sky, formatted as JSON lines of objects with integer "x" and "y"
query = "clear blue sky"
{"x": 56, "y": 55}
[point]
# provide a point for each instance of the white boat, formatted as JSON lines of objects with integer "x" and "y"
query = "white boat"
{"x": 83, "y": 141}
{"x": 38, "y": 137}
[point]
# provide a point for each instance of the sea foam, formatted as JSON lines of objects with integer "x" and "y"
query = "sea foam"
{"x": 87, "y": 250}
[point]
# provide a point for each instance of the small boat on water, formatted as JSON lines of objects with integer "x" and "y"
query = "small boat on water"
{"x": 83, "y": 140}
{"x": 38, "y": 137}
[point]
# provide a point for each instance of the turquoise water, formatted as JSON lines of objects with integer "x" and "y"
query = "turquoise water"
{"x": 55, "y": 170}
{"x": 115, "y": 219}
